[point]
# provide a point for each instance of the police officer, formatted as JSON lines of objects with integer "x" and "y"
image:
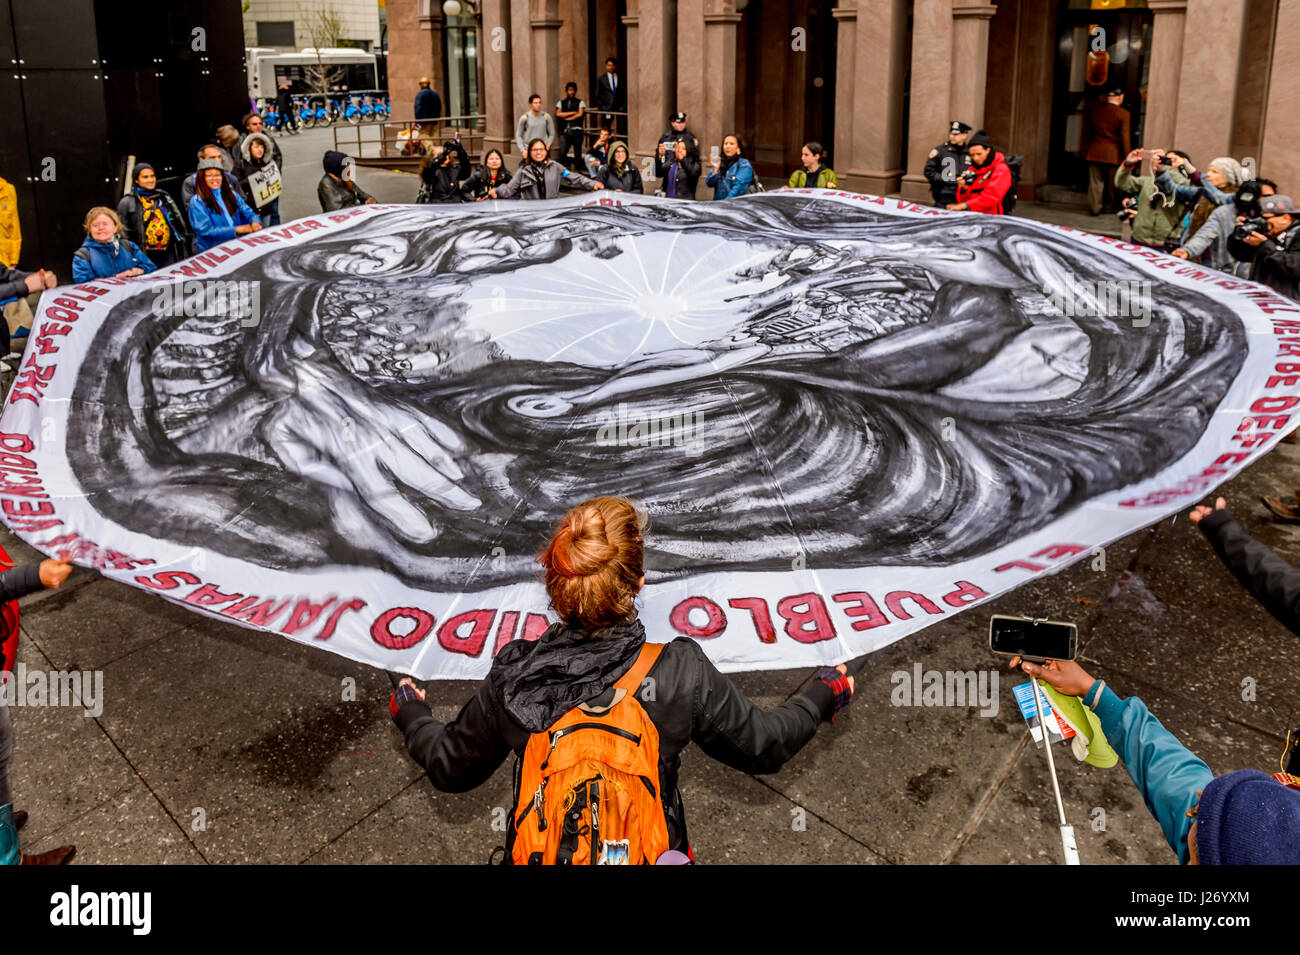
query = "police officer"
{"x": 946, "y": 163}
{"x": 667, "y": 143}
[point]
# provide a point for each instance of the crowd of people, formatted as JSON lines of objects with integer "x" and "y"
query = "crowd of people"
{"x": 558, "y": 151}
{"x": 1223, "y": 216}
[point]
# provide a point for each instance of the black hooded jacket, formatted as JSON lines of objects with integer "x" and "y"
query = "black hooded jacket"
{"x": 532, "y": 684}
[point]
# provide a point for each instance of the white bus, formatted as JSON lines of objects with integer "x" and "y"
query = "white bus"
{"x": 352, "y": 70}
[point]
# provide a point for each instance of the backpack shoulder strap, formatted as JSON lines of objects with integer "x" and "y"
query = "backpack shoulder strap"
{"x": 632, "y": 679}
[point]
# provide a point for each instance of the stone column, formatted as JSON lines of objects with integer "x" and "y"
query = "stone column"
{"x": 970, "y": 59}
{"x": 1166, "y": 68}
{"x": 521, "y": 58}
{"x": 929, "y": 113}
{"x": 721, "y": 28}
{"x": 1279, "y": 159}
{"x": 706, "y": 82}
{"x": 650, "y": 74}
{"x": 544, "y": 23}
{"x": 575, "y": 63}
{"x": 695, "y": 73}
{"x": 495, "y": 53}
{"x": 871, "y": 57}
{"x": 1207, "y": 92}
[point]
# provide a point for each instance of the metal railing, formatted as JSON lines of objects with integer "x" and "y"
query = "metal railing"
{"x": 405, "y": 141}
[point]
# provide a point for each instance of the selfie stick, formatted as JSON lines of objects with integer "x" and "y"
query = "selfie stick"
{"x": 1067, "y": 830}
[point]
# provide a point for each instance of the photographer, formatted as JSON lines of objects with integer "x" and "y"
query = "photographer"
{"x": 1269, "y": 243}
{"x": 984, "y": 186}
{"x": 1241, "y": 818}
{"x": 1157, "y": 214}
{"x": 441, "y": 172}
{"x": 1213, "y": 240}
{"x": 681, "y": 165}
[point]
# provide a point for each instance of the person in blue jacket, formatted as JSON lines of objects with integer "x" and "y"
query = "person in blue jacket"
{"x": 106, "y": 253}
{"x": 217, "y": 212}
{"x": 1241, "y": 818}
{"x": 732, "y": 175}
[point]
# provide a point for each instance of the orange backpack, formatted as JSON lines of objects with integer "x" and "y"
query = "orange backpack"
{"x": 589, "y": 786}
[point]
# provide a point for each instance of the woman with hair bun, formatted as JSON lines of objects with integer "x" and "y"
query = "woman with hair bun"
{"x": 594, "y": 569}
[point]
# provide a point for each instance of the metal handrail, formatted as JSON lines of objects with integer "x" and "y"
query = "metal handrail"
{"x": 405, "y": 139}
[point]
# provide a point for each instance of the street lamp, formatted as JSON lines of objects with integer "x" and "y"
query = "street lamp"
{"x": 451, "y": 8}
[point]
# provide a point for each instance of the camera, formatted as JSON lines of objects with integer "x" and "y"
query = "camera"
{"x": 1128, "y": 212}
{"x": 968, "y": 176}
{"x": 1252, "y": 224}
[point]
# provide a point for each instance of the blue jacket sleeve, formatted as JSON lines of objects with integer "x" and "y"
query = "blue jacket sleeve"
{"x": 1181, "y": 192}
{"x": 246, "y": 214}
{"x": 744, "y": 176}
{"x": 711, "y": 180}
{"x": 1165, "y": 772}
{"x": 206, "y": 225}
{"x": 82, "y": 271}
{"x": 141, "y": 261}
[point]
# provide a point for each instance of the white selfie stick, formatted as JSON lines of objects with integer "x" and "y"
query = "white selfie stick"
{"x": 1067, "y": 830}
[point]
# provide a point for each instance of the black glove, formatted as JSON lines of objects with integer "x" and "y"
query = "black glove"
{"x": 841, "y": 689}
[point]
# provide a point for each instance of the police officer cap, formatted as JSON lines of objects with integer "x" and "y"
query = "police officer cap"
{"x": 957, "y": 127}
{"x": 677, "y": 118}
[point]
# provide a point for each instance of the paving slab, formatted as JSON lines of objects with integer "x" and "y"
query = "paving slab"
{"x": 129, "y": 828}
{"x": 267, "y": 750}
{"x": 63, "y": 764}
{"x": 89, "y": 626}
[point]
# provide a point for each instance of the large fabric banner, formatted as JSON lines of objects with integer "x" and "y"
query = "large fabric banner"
{"x": 848, "y": 417}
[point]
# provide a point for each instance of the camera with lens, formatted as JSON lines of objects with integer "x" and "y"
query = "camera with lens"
{"x": 1251, "y": 224}
{"x": 968, "y": 176}
{"x": 1129, "y": 211}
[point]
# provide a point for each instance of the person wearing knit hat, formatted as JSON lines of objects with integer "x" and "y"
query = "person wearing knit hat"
{"x": 1247, "y": 818}
{"x": 338, "y": 188}
{"x": 1204, "y": 191}
{"x": 218, "y": 213}
{"x": 152, "y": 220}
{"x": 986, "y": 185}
{"x": 1240, "y": 818}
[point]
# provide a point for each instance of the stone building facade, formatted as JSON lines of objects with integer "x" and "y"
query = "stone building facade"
{"x": 877, "y": 81}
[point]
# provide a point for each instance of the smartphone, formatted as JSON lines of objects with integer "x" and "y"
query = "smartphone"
{"x": 1033, "y": 640}
{"x": 715, "y": 152}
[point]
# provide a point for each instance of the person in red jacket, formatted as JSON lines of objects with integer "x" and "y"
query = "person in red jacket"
{"x": 986, "y": 183}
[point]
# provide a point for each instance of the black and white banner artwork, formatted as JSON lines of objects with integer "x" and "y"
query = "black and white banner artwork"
{"x": 848, "y": 417}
